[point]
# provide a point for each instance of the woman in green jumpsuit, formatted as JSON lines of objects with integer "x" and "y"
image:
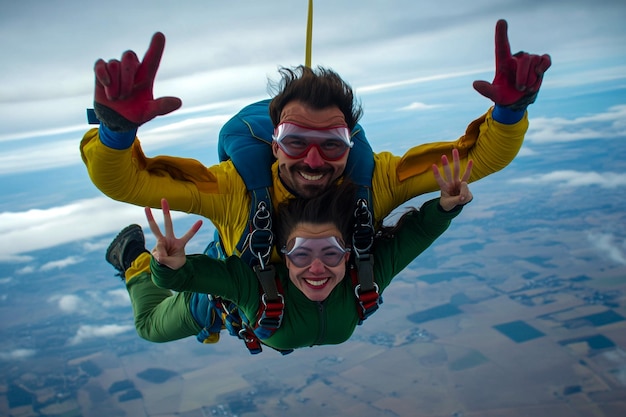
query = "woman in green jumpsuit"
{"x": 320, "y": 306}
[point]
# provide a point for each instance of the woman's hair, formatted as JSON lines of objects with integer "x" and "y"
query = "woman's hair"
{"x": 335, "y": 205}
{"x": 318, "y": 89}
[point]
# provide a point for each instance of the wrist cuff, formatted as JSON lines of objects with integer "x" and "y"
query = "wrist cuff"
{"x": 506, "y": 115}
{"x": 116, "y": 140}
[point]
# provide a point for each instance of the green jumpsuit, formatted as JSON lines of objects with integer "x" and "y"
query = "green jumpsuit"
{"x": 161, "y": 316}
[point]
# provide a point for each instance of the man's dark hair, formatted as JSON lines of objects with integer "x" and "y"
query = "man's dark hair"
{"x": 335, "y": 205}
{"x": 319, "y": 89}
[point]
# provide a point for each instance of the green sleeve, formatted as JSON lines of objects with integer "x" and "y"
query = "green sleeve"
{"x": 232, "y": 278}
{"x": 416, "y": 233}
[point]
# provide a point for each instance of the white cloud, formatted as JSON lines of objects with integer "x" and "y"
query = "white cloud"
{"x": 65, "y": 152}
{"x": 40, "y": 157}
{"x": 115, "y": 298}
{"x": 61, "y": 263}
{"x": 608, "y": 125}
{"x": 62, "y": 224}
{"x": 85, "y": 303}
{"x": 86, "y": 331}
{"x": 419, "y": 80}
{"x": 417, "y": 106}
{"x": 607, "y": 245}
{"x": 17, "y": 354}
{"x": 570, "y": 178}
{"x": 99, "y": 246}
{"x": 71, "y": 303}
{"x": 29, "y": 269}
{"x": 526, "y": 151}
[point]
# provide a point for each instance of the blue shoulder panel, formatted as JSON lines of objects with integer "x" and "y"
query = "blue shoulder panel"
{"x": 245, "y": 139}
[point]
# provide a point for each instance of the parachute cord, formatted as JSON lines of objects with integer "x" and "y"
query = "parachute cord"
{"x": 309, "y": 35}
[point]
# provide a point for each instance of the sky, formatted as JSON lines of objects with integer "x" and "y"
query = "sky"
{"x": 411, "y": 62}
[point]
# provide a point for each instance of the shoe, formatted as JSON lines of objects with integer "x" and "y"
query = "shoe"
{"x": 127, "y": 245}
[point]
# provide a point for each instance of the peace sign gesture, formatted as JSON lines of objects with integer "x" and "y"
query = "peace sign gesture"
{"x": 169, "y": 250}
{"x": 454, "y": 188}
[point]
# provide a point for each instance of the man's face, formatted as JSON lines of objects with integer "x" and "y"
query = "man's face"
{"x": 309, "y": 174}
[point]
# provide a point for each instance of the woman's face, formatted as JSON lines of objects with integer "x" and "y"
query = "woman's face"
{"x": 316, "y": 259}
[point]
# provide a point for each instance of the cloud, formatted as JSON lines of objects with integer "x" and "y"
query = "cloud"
{"x": 86, "y": 303}
{"x": 57, "y": 151}
{"x": 71, "y": 303}
{"x": 40, "y": 157}
{"x": 570, "y": 178}
{"x": 86, "y": 332}
{"x": 607, "y": 125}
{"x": 17, "y": 354}
{"x": 63, "y": 224}
{"x": 29, "y": 269}
{"x": 99, "y": 246}
{"x": 526, "y": 151}
{"x": 607, "y": 245}
{"x": 61, "y": 263}
{"x": 417, "y": 106}
{"x": 418, "y": 80}
{"x": 115, "y": 298}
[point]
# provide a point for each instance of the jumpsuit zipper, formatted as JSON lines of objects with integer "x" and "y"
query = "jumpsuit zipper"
{"x": 322, "y": 329}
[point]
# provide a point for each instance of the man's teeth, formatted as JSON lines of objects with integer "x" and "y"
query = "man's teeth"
{"x": 317, "y": 282}
{"x": 311, "y": 177}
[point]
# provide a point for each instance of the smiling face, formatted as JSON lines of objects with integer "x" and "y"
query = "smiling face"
{"x": 317, "y": 280}
{"x": 310, "y": 174}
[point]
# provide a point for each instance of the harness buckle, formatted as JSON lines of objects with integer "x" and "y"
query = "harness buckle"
{"x": 260, "y": 240}
{"x": 272, "y": 316}
{"x": 363, "y": 236}
{"x": 368, "y": 300}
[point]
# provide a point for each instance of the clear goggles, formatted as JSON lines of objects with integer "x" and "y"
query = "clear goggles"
{"x": 304, "y": 251}
{"x": 296, "y": 141}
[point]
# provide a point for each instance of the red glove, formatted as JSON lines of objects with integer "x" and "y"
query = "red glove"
{"x": 123, "y": 96}
{"x": 518, "y": 77}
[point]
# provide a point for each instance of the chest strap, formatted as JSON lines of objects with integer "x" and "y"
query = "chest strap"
{"x": 362, "y": 272}
{"x": 269, "y": 316}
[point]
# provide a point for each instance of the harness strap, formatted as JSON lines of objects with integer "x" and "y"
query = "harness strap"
{"x": 362, "y": 272}
{"x": 367, "y": 301}
{"x": 269, "y": 316}
{"x": 362, "y": 241}
{"x": 272, "y": 303}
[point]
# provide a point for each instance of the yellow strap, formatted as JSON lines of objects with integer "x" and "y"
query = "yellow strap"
{"x": 309, "y": 35}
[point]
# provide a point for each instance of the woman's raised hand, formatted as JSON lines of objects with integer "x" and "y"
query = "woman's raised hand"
{"x": 454, "y": 188}
{"x": 169, "y": 250}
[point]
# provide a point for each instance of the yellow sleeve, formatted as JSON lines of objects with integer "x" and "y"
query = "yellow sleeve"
{"x": 216, "y": 192}
{"x": 490, "y": 144}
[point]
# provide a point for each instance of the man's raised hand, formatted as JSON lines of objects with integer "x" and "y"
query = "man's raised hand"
{"x": 518, "y": 77}
{"x": 123, "y": 98}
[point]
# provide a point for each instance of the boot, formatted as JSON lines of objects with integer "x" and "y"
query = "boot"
{"x": 125, "y": 248}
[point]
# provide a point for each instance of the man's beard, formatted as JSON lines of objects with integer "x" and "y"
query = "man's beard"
{"x": 309, "y": 190}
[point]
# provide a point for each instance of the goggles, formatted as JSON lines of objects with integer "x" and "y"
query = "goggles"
{"x": 296, "y": 141}
{"x": 304, "y": 251}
